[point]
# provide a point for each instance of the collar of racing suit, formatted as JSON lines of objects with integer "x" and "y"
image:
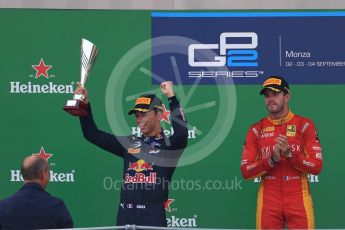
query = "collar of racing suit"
{"x": 283, "y": 120}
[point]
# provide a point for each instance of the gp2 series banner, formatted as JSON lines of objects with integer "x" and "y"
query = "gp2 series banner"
{"x": 244, "y": 47}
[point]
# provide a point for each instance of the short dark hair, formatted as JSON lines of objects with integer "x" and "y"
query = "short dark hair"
{"x": 34, "y": 170}
{"x": 157, "y": 110}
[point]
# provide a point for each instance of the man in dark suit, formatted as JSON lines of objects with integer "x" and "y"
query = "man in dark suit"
{"x": 31, "y": 207}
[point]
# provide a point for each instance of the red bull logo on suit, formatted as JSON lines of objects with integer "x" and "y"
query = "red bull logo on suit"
{"x": 139, "y": 167}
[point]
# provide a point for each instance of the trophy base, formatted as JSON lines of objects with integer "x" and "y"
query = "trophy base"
{"x": 76, "y": 108}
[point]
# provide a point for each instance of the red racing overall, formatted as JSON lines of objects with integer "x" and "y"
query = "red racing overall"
{"x": 284, "y": 195}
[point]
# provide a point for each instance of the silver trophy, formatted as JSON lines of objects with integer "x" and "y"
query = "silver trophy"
{"x": 76, "y": 106}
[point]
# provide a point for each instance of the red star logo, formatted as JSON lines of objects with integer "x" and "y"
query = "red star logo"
{"x": 43, "y": 154}
{"x": 165, "y": 115}
{"x": 42, "y": 69}
{"x": 167, "y": 204}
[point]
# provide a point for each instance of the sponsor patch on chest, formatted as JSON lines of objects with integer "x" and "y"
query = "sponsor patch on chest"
{"x": 133, "y": 150}
{"x": 291, "y": 130}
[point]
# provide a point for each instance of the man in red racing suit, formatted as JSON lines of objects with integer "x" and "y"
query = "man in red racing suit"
{"x": 282, "y": 149}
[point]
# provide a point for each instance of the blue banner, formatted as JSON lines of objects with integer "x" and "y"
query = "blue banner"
{"x": 246, "y": 47}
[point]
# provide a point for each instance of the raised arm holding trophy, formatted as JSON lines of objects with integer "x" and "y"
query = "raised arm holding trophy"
{"x": 149, "y": 160}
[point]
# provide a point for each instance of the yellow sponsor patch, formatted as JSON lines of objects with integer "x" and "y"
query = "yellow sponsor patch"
{"x": 141, "y": 110}
{"x": 143, "y": 100}
{"x": 272, "y": 81}
{"x": 134, "y": 151}
{"x": 291, "y": 130}
{"x": 268, "y": 129}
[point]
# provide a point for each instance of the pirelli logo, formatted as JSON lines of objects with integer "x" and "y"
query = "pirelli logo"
{"x": 268, "y": 129}
{"x": 143, "y": 100}
{"x": 134, "y": 151}
{"x": 272, "y": 81}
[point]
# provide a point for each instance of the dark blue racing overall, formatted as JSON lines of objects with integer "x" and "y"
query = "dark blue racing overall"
{"x": 148, "y": 166}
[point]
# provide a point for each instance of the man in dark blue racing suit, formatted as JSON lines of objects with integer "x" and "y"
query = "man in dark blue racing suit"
{"x": 149, "y": 161}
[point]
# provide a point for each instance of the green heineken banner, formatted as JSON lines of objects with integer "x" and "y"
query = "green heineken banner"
{"x": 40, "y": 68}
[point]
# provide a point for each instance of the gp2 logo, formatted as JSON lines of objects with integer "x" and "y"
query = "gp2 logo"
{"x": 231, "y": 54}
